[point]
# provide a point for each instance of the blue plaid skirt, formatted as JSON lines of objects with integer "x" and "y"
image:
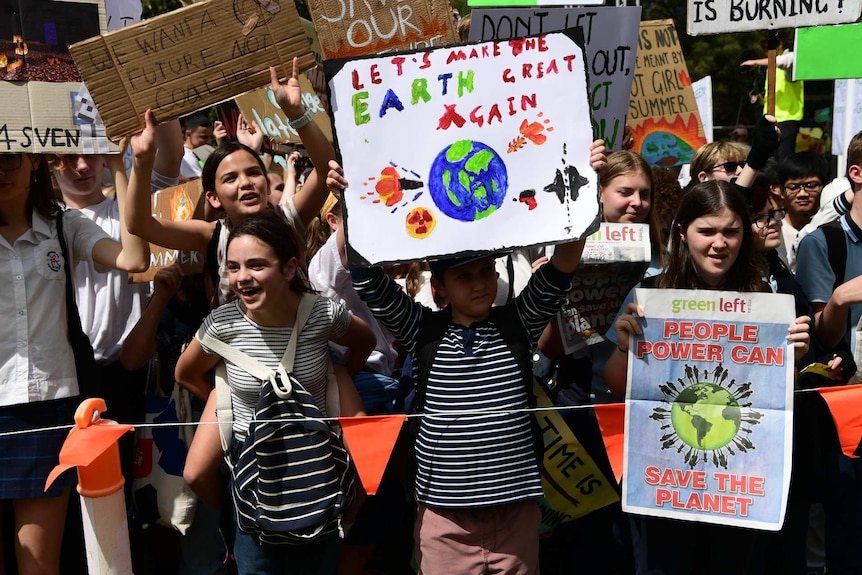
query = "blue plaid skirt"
{"x": 27, "y": 459}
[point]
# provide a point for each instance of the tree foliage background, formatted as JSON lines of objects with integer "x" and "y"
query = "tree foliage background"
{"x": 717, "y": 55}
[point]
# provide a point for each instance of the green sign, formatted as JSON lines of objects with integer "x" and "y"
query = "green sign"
{"x": 823, "y": 53}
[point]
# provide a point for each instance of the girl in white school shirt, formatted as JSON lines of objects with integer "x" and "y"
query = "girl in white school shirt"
{"x": 38, "y": 384}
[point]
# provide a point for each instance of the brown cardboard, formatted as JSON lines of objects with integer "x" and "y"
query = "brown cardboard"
{"x": 188, "y": 59}
{"x": 348, "y": 28}
{"x": 260, "y": 107}
{"x": 38, "y": 78}
{"x": 663, "y": 113}
{"x": 178, "y": 203}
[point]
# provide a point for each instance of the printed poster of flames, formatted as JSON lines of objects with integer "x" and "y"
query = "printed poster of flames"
{"x": 663, "y": 113}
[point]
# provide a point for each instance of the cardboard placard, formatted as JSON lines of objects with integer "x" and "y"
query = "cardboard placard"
{"x": 177, "y": 203}
{"x": 816, "y": 50}
{"x": 525, "y": 3}
{"x": 188, "y": 59}
{"x": 663, "y": 113}
{"x": 718, "y": 16}
{"x": 611, "y": 46}
{"x": 348, "y": 28}
{"x": 39, "y": 81}
{"x": 261, "y": 107}
{"x": 465, "y": 149}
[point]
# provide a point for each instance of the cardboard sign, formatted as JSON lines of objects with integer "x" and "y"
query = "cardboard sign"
{"x": 709, "y": 408}
{"x": 348, "y": 28}
{"x": 717, "y": 16}
{"x": 39, "y": 81}
{"x": 260, "y": 106}
{"x": 465, "y": 149}
{"x": 663, "y": 113}
{"x": 189, "y": 59}
{"x": 178, "y": 203}
{"x": 611, "y": 46}
{"x": 817, "y": 51}
{"x": 846, "y": 125}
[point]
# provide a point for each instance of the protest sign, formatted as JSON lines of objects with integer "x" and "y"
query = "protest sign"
{"x": 663, "y": 113}
{"x": 39, "y": 82}
{"x": 709, "y": 408}
{"x": 718, "y": 16}
{"x": 512, "y": 3}
{"x": 817, "y": 53}
{"x": 613, "y": 262}
{"x": 846, "y": 114}
{"x": 261, "y": 107}
{"x": 122, "y": 13}
{"x": 572, "y": 483}
{"x": 611, "y": 46}
{"x": 348, "y": 28}
{"x": 178, "y": 203}
{"x": 703, "y": 96}
{"x": 189, "y": 59}
{"x": 465, "y": 149}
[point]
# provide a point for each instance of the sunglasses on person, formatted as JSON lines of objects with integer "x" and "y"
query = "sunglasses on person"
{"x": 809, "y": 186}
{"x": 764, "y": 220}
{"x": 10, "y": 162}
{"x": 729, "y": 167}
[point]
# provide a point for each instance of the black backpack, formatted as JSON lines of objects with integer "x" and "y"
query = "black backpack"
{"x": 86, "y": 368}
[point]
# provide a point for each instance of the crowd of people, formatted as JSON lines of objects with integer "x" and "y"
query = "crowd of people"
{"x": 445, "y": 338}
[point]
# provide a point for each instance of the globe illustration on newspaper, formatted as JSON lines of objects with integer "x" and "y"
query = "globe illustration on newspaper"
{"x": 710, "y": 415}
{"x": 468, "y": 181}
{"x": 706, "y": 416}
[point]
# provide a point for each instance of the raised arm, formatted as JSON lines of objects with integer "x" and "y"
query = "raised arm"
{"x": 192, "y": 368}
{"x": 132, "y": 254}
{"x": 314, "y": 192}
{"x": 189, "y": 235}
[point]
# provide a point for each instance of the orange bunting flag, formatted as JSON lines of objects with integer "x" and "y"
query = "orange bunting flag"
{"x": 612, "y": 422}
{"x": 844, "y": 402}
{"x": 370, "y": 441}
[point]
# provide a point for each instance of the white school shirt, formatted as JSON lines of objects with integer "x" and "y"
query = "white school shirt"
{"x": 36, "y": 360}
{"x": 108, "y": 304}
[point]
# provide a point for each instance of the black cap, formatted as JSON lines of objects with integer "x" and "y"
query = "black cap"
{"x": 439, "y": 267}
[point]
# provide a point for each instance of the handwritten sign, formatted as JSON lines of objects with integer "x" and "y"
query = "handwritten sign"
{"x": 260, "y": 106}
{"x": 122, "y": 13}
{"x": 717, "y": 16}
{"x": 465, "y": 149}
{"x": 611, "y": 46}
{"x": 39, "y": 80}
{"x": 351, "y": 28}
{"x": 188, "y": 59}
{"x": 178, "y": 203}
{"x": 709, "y": 404}
{"x": 663, "y": 113}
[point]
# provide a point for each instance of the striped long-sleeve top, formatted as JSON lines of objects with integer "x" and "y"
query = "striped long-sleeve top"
{"x": 466, "y": 458}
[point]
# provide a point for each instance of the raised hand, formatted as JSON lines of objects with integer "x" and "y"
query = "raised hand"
{"x": 289, "y": 95}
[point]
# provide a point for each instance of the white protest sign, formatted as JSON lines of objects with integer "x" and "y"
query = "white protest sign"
{"x": 719, "y": 16}
{"x": 845, "y": 126}
{"x": 122, "y": 13}
{"x": 465, "y": 149}
{"x": 703, "y": 96}
{"x": 611, "y": 36}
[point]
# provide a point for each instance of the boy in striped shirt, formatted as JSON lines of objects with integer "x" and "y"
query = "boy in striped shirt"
{"x": 477, "y": 475}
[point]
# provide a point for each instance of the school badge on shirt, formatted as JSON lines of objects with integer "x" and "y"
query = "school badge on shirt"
{"x": 49, "y": 260}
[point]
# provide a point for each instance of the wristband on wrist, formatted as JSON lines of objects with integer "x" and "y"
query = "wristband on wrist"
{"x": 301, "y": 121}
{"x": 621, "y": 349}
